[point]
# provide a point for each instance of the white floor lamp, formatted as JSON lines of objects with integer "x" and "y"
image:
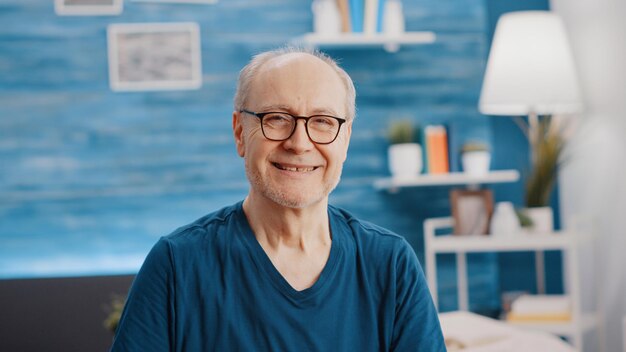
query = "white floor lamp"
{"x": 530, "y": 72}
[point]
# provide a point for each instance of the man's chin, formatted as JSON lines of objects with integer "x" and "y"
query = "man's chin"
{"x": 298, "y": 197}
{"x": 290, "y": 195}
{"x": 297, "y": 201}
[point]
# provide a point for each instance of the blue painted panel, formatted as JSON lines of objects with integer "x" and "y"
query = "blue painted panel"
{"x": 89, "y": 178}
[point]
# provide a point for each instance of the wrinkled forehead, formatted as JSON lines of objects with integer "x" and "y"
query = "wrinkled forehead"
{"x": 298, "y": 78}
{"x": 294, "y": 60}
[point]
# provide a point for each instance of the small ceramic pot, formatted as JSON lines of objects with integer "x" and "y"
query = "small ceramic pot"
{"x": 542, "y": 218}
{"x": 405, "y": 159}
{"x": 476, "y": 162}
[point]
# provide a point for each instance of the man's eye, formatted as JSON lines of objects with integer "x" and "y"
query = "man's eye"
{"x": 323, "y": 121}
{"x": 277, "y": 119}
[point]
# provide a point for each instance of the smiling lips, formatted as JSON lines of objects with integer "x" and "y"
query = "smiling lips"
{"x": 295, "y": 168}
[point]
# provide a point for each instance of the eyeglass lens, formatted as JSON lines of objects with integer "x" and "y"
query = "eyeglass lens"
{"x": 280, "y": 126}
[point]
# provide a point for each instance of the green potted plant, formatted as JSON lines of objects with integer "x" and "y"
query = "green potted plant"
{"x": 115, "y": 313}
{"x": 548, "y": 145}
{"x": 404, "y": 155}
{"x": 475, "y": 158}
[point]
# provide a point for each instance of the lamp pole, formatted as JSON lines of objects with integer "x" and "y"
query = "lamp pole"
{"x": 533, "y": 135}
{"x": 533, "y": 139}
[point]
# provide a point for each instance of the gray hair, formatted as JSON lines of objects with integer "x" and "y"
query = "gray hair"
{"x": 248, "y": 73}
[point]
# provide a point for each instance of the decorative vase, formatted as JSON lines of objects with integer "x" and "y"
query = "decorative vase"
{"x": 476, "y": 162}
{"x": 405, "y": 160}
{"x": 504, "y": 221}
{"x": 393, "y": 18}
{"x": 542, "y": 220}
{"x": 326, "y": 17}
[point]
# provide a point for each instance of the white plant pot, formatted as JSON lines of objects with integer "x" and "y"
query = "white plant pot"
{"x": 542, "y": 218}
{"x": 405, "y": 160}
{"x": 476, "y": 163}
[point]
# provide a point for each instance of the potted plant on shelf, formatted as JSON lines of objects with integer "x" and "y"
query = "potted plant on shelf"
{"x": 548, "y": 144}
{"x": 405, "y": 156}
{"x": 115, "y": 313}
{"x": 475, "y": 158}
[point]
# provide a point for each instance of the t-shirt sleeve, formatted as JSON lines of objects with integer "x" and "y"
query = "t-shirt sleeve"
{"x": 146, "y": 321}
{"x": 416, "y": 326}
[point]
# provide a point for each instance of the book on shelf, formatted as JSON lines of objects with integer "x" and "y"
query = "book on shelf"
{"x": 436, "y": 149}
{"x": 539, "y": 318}
{"x": 540, "y": 309}
{"x": 344, "y": 14}
{"x": 370, "y": 22}
{"x": 379, "y": 19}
{"x": 356, "y": 15}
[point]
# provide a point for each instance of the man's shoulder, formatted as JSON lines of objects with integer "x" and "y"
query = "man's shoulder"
{"x": 367, "y": 232}
{"x": 208, "y": 224}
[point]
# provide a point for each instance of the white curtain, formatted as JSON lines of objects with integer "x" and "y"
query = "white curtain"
{"x": 593, "y": 183}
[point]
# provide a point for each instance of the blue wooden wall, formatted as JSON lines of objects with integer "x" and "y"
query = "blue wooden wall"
{"x": 89, "y": 178}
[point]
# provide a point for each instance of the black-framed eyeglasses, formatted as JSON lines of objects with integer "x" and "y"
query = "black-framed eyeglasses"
{"x": 280, "y": 126}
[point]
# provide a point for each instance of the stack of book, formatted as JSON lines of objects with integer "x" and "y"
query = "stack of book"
{"x": 540, "y": 309}
{"x": 361, "y": 16}
{"x": 465, "y": 331}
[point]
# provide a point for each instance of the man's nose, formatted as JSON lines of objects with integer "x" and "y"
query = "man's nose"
{"x": 299, "y": 140}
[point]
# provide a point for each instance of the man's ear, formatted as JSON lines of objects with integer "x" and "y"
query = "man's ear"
{"x": 238, "y": 133}
{"x": 348, "y": 127}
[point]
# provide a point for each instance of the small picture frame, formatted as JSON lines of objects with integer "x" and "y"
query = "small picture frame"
{"x": 471, "y": 210}
{"x": 154, "y": 56}
{"x": 88, "y": 7}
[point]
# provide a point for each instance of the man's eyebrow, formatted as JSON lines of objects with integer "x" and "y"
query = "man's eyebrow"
{"x": 324, "y": 112}
{"x": 280, "y": 107}
{"x": 275, "y": 107}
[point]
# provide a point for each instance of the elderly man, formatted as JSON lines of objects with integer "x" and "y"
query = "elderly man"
{"x": 283, "y": 270}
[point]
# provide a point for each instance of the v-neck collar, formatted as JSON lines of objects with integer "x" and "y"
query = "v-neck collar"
{"x": 266, "y": 266}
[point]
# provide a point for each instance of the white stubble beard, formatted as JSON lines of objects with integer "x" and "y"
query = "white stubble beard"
{"x": 300, "y": 201}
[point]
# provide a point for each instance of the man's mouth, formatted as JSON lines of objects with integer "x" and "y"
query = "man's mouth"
{"x": 295, "y": 168}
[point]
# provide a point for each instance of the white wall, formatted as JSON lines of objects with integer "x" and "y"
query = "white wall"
{"x": 594, "y": 182}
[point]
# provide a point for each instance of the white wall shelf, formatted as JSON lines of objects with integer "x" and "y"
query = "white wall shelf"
{"x": 391, "y": 43}
{"x": 517, "y": 242}
{"x": 392, "y": 184}
{"x": 567, "y": 242}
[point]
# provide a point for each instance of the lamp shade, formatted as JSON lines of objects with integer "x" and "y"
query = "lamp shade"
{"x": 530, "y": 67}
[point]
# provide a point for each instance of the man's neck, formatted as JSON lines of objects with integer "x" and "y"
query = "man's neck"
{"x": 297, "y": 228}
{"x": 297, "y": 241}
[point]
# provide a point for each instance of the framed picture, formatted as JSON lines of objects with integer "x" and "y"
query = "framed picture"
{"x": 471, "y": 211}
{"x": 154, "y": 56}
{"x": 87, "y": 7}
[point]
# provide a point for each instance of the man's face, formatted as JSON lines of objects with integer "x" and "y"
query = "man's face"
{"x": 296, "y": 172}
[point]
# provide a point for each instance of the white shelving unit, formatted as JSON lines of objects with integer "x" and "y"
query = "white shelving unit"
{"x": 391, "y": 43}
{"x": 392, "y": 184}
{"x": 568, "y": 243}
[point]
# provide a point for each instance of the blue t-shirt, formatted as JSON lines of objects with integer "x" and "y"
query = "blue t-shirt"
{"x": 209, "y": 286}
